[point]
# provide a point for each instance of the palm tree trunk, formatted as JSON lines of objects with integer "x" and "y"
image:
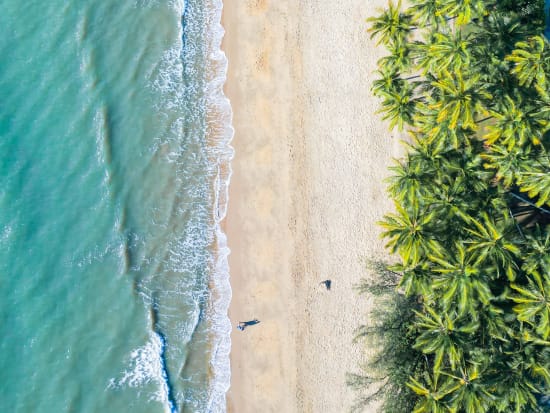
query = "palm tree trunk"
{"x": 543, "y": 210}
{"x": 516, "y": 223}
{"x": 484, "y": 119}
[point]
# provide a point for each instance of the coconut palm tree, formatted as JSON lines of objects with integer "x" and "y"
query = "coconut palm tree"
{"x": 530, "y": 60}
{"x": 450, "y": 204}
{"x": 464, "y": 10}
{"x": 432, "y": 394}
{"x": 399, "y": 59}
{"x": 492, "y": 242}
{"x": 410, "y": 233}
{"x": 462, "y": 99}
{"x": 461, "y": 188}
{"x": 472, "y": 394}
{"x": 421, "y": 53}
{"x": 439, "y": 133}
{"x": 496, "y": 329}
{"x": 444, "y": 335}
{"x": 533, "y": 302}
{"x": 536, "y": 260}
{"x": 449, "y": 51}
{"x": 535, "y": 180}
{"x": 399, "y": 106}
{"x": 499, "y": 33}
{"x": 461, "y": 284}
{"x": 408, "y": 182}
{"x": 513, "y": 125}
{"x": 427, "y": 13}
{"x": 517, "y": 378}
{"x": 392, "y": 25}
{"x": 528, "y": 356}
{"x": 477, "y": 271}
{"x": 430, "y": 154}
{"x": 416, "y": 279}
{"x": 388, "y": 81}
{"x": 507, "y": 164}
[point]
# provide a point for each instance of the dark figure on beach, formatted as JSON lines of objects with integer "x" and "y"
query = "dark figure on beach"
{"x": 327, "y": 283}
{"x": 243, "y": 324}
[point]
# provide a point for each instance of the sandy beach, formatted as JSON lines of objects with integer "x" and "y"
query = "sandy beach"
{"x": 306, "y": 192}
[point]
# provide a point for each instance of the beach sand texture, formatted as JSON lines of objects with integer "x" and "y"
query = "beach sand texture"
{"x": 306, "y": 192}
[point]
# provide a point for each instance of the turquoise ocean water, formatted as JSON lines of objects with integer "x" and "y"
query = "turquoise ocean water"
{"x": 114, "y": 165}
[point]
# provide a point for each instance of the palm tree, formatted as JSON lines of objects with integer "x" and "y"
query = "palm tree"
{"x": 461, "y": 284}
{"x": 388, "y": 81}
{"x": 535, "y": 180}
{"x": 536, "y": 260}
{"x": 442, "y": 51}
{"x": 391, "y": 25}
{"x": 460, "y": 189}
{"x": 399, "y": 106}
{"x": 439, "y": 133}
{"x": 530, "y": 62}
{"x": 450, "y": 204}
{"x": 449, "y": 51}
{"x": 517, "y": 377}
{"x": 513, "y": 125}
{"x": 477, "y": 272}
{"x": 408, "y": 183}
{"x": 432, "y": 394}
{"x": 462, "y": 99}
{"x": 507, "y": 164}
{"x": 410, "y": 233}
{"x": 444, "y": 335}
{"x": 422, "y": 57}
{"x": 496, "y": 330}
{"x": 472, "y": 395}
{"x": 428, "y": 153}
{"x": 464, "y": 10}
{"x": 399, "y": 59}
{"x": 498, "y": 33}
{"x": 517, "y": 369}
{"x": 491, "y": 241}
{"x": 427, "y": 12}
{"x": 416, "y": 279}
{"x": 533, "y": 303}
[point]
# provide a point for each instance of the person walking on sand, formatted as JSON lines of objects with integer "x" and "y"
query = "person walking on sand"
{"x": 327, "y": 284}
{"x": 243, "y": 324}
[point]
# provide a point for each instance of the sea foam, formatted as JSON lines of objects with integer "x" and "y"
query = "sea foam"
{"x": 172, "y": 79}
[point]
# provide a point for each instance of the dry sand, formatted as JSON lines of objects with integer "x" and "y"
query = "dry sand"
{"x": 305, "y": 196}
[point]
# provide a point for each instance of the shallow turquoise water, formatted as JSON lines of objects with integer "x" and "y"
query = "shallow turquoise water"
{"x": 108, "y": 234}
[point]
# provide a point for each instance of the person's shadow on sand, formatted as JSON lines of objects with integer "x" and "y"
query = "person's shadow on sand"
{"x": 243, "y": 324}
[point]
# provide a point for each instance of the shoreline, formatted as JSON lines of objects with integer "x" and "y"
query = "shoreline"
{"x": 219, "y": 134}
{"x": 306, "y": 192}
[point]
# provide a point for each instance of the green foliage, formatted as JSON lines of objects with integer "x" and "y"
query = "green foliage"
{"x": 536, "y": 181}
{"x": 513, "y": 125}
{"x": 410, "y": 233}
{"x": 460, "y": 99}
{"x": 388, "y": 371}
{"x": 533, "y": 303}
{"x": 392, "y": 25}
{"x": 399, "y": 105}
{"x": 530, "y": 60}
{"x": 468, "y": 305}
{"x": 443, "y": 334}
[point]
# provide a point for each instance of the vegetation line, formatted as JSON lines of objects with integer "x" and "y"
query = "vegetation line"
{"x": 467, "y": 329}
